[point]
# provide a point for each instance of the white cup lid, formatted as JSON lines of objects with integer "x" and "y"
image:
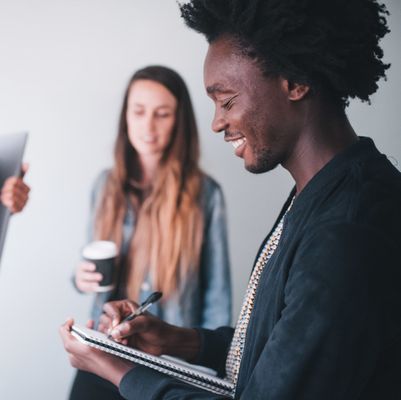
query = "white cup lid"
{"x": 99, "y": 249}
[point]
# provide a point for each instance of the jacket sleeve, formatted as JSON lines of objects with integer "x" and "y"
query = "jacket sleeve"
{"x": 215, "y": 264}
{"x": 95, "y": 197}
{"x": 95, "y": 194}
{"x": 145, "y": 383}
{"x": 327, "y": 341}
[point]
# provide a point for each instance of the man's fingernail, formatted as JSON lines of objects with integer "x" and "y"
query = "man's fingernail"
{"x": 115, "y": 332}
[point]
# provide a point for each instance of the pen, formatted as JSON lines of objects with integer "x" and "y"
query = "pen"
{"x": 152, "y": 298}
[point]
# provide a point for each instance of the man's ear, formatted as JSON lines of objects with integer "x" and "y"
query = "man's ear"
{"x": 295, "y": 91}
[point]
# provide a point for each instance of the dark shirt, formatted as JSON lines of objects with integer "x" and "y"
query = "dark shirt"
{"x": 326, "y": 323}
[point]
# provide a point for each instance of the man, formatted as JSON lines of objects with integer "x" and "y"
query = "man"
{"x": 321, "y": 319}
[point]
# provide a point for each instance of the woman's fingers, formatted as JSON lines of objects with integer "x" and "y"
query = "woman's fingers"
{"x": 87, "y": 287}
{"x": 24, "y": 169}
{"x": 86, "y": 266}
{"x": 15, "y": 187}
{"x": 86, "y": 279}
{"x": 15, "y": 197}
{"x": 90, "y": 276}
{"x": 86, "y": 272}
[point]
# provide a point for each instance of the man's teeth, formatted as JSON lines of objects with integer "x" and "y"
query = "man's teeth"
{"x": 237, "y": 143}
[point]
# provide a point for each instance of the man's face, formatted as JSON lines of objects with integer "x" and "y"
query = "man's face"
{"x": 251, "y": 109}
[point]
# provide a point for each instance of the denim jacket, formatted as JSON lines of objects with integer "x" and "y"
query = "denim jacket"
{"x": 204, "y": 299}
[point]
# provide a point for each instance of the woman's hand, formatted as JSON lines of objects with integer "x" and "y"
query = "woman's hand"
{"x": 86, "y": 358}
{"x": 15, "y": 193}
{"x": 147, "y": 332}
{"x": 86, "y": 279}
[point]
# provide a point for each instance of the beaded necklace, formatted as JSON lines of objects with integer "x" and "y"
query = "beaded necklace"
{"x": 235, "y": 353}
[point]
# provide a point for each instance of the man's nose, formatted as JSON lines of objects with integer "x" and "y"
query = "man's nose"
{"x": 219, "y": 123}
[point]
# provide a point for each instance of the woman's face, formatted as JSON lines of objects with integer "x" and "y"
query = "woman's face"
{"x": 150, "y": 117}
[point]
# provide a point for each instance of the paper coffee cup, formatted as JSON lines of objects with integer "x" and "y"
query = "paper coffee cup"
{"x": 103, "y": 254}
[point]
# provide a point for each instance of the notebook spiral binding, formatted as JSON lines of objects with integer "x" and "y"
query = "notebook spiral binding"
{"x": 190, "y": 376}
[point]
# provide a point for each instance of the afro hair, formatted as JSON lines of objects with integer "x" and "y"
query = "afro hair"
{"x": 331, "y": 45}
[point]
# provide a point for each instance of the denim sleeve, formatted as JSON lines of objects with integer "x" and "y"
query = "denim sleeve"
{"x": 95, "y": 194}
{"x": 215, "y": 264}
{"x": 95, "y": 197}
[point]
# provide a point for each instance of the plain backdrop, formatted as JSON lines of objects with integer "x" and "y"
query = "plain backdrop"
{"x": 63, "y": 67}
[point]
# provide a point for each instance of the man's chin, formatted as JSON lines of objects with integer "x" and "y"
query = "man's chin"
{"x": 259, "y": 168}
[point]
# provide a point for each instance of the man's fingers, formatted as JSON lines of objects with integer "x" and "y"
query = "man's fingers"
{"x": 105, "y": 321}
{"x": 65, "y": 330}
{"x": 117, "y": 310}
{"x": 90, "y": 324}
{"x": 137, "y": 325}
{"x": 71, "y": 344}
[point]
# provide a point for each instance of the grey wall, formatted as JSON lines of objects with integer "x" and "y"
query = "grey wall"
{"x": 63, "y": 68}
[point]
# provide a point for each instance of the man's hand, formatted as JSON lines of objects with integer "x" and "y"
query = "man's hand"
{"x": 148, "y": 333}
{"x": 92, "y": 360}
{"x": 15, "y": 193}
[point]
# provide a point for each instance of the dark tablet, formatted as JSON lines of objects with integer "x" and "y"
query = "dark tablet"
{"x": 12, "y": 148}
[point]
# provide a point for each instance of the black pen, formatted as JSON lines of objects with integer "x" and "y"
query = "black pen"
{"x": 155, "y": 296}
{"x": 152, "y": 298}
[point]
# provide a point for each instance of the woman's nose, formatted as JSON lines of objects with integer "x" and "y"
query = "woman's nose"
{"x": 149, "y": 123}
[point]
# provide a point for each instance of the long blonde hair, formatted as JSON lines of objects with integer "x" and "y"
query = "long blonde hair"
{"x": 169, "y": 222}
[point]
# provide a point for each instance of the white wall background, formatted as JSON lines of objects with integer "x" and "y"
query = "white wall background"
{"x": 63, "y": 67}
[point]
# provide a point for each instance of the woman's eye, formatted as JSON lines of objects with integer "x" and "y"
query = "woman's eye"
{"x": 163, "y": 115}
{"x": 137, "y": 112}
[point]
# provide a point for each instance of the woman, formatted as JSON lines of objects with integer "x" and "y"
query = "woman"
{"x": 166, "y": 216}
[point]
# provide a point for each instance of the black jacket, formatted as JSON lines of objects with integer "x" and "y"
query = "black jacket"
{"x": 326, "y": 324}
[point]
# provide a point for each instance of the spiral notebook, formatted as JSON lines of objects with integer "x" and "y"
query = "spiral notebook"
{"x": 189, "y": 373}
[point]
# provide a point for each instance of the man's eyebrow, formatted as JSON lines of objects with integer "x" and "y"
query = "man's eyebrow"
{"x": 216, "y": 88}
